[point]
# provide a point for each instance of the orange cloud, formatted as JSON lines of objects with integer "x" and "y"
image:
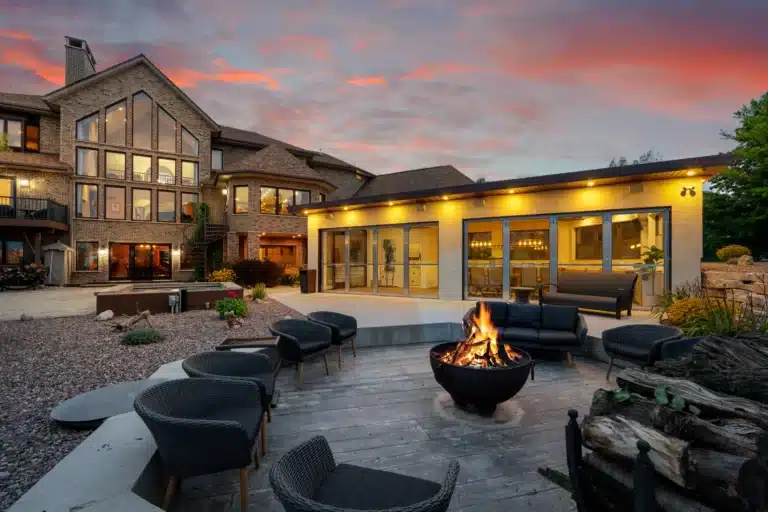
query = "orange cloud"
{"x": 429, "y": 71}
{"x": 225, "y": 72}
{"x": 310, "y": 46}
{"x": 32, "y": 59}
{"x": 367, "y": 80}
{"x": 18, "y": 35}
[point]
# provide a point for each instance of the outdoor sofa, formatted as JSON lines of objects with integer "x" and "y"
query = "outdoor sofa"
{"x": 600, "y": 291}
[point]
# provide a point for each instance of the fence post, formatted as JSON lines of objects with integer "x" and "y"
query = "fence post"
{"x": 643, "y": 480}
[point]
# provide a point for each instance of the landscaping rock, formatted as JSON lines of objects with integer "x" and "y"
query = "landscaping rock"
{"x": 105, "y": 315}
{"x": 25, "y": 317}
{"x": 745, "y": 260}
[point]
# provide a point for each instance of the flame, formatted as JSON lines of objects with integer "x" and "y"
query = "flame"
{"x": 481, "y": 348}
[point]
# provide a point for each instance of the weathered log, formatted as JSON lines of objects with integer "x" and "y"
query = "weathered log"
{"x": 144, "y": 315}
{"x": 712, "y": 403}
{"x": 668, "y": 497}
{"x": 617, "y": 436}
{"x": 716, "y": 476}
{"x": 737, "y": 437}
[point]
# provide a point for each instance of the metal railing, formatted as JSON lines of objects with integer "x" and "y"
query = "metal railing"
{"x": 166, "y": 179}
{"x": 32, "y": 208}
{"x": 115, "y": 174}
{"x": 141, "y": 176}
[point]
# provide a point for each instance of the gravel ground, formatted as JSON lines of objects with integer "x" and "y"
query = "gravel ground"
{"x": 46, "y": 361}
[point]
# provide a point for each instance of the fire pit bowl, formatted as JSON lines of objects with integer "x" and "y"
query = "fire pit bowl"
{"x": 481, "y": 389}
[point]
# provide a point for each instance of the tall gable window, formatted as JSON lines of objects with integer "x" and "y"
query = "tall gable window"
{"x": 88, "y": 128}
{"x": 142, "y": 121}
{"x": 166, "y": 132}
{"x": 189, "y": 144}
{"x": 115, "y": 124}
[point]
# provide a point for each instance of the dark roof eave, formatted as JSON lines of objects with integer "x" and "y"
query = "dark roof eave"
{"x": 550, "y": 181}
{"x": 30, "y": 110}
{"x": 246, "y": 172}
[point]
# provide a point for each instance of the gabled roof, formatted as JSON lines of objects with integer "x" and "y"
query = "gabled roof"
{"x": 52, "y": 97}
{"x": 413, "y": 180}
{"x": 33, "y": 161}
{"x": 26, "y": 102}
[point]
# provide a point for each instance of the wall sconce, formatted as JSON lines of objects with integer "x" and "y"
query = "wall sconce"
{"x": 23, "y": 183}
{"x": 691, "y": 191}
{"x": 102, "y": 252}
{"x": 176, "y": 252}
{"x": 223, "y": 191}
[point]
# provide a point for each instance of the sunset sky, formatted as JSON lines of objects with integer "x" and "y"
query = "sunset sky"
{"x": 498, "y": 88}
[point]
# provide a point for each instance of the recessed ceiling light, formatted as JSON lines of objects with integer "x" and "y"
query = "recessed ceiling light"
{"x": 306, "y": 212}
{"x": 346, "y": 208}
{"x": 691, "y": 173}
{"x": 391, "y": 203}
{"x": 511, "y": 191}
{"x": 445, "y": 198}
{"x": 590, "y": 183}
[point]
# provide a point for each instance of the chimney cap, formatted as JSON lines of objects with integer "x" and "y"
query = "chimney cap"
{"x": 81, "y": 44}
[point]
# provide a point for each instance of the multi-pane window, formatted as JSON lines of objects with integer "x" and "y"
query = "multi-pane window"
{"x": 166, "y": 132}
{"x": 279, "y": 200}
{"x": 189, "y": 173}
{"x": 241, "y": 199}
{"x": 188, "y": 207}
{"x": 12, "y": 131}
{"x": 142, "y": 204}
{"x": 166, "y": 206}
{"x": 217, "y": 159}
{"x": 142, "y": 121}
{"x": 189, "y": 144}
{"x": 115, "y": 200}
{"x": 11, "y": 252}
{"x": 142, "y": 168}
{"x": 87, "y": 162}
{"x": 166, "y": 171}
{"x": 87, "y": 256}
{"x": 115, "y": 165}
{"x": 87, "y": 200}
{"x": 115, "y": 124}
{"x": 88, "y": 128}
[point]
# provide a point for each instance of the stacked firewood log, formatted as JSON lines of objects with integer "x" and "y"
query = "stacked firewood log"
{"x": 704, "y": 417}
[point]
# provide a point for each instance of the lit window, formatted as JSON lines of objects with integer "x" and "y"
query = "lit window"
{"x": 115, "y": 124}
{"x": 189, "y": 173}
{"x": 87, "y": 199}
{"x": 87, "y": 162}
{"x": 115, "y": 199}
{"x": 268, "y": 197}
{"x": 142, "y": 168}
{"x": 142, "y": 121}
{"x": 142, "y": 204}
{"x": 285, "y": 201}
{"x": 32, "y": 138}
{"x": 166, "y": 206}
{"x": 189, "y": 144}
{"x": 166, "y": 132}
{"x": 87, "y": 256}
{"x": 13, "y": 252}
{"x": 241, "y": 199}
{"x": 115, "y": 163}
{"x": 188, "y": 207}
{"x": 217, "y": 159}
{"x": 166, "y": 171}
{"x": 88, "y": 128}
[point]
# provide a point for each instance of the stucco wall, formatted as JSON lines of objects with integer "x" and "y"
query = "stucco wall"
{"x": 685, "y": 221}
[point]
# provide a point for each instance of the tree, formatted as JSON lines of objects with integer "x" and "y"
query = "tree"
{"x": 4, "y": 146}
{"x": 719, "y": 229}
{"x": 647, "y": 157}
{"x": 480, "y": 180}
{"x": 742, "y": 205}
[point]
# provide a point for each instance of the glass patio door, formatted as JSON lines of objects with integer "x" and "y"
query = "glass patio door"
{"x": 142, "y": 262}
{"x": 579, "y": 243}
{"x": 361, "y": 260}
{"x": 334, "y": 264}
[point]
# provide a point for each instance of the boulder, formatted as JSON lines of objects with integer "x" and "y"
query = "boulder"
{"x": 105, "y": 315}
{"x": 745, "y": 260}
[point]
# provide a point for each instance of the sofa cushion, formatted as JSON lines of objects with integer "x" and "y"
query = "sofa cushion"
{"x": 605, "y": 284}
{"x": 523, "y": 315}
{"x": 498, "y": 312}
{"x": 514, "y": 334}
{"x": 582, "y": 301}
{"x": 558, "y": 338}
{"x": 559, "y": 318}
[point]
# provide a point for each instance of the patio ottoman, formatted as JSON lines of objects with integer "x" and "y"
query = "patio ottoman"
{"x": 637, "y": 343}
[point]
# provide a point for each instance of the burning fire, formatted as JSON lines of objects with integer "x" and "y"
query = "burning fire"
{"x": 481, "y": 349}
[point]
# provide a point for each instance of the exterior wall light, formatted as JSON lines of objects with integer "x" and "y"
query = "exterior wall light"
{"x": 305, "y": 212}
{"x": 691, "y": 191}
{"x": 391, "y": 203}
{"x": 691, "y": 173}
{"x": 346, "y": 208}
{"x": 224, "y": 191}
{"x": 102, "y": 251}
{"x": 24, "y": 183}
{"x": 445, "y": 198}
{"x": 590, "y": 183}
{"x": 176, "y": 252}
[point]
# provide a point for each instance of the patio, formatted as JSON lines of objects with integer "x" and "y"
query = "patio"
{"x": 384, "y": 410}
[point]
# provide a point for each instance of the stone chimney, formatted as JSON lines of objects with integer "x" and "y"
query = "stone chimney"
{"x": 79, "y": 62}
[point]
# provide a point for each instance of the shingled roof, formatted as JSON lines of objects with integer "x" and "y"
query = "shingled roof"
{"x": 32, "y": 102}
{"x": 413, "y": 180}
{"x": 276, "y": 161}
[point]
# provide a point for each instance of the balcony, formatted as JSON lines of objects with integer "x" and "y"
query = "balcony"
{"x": 33, "y": 212}
{"x": 141, "y": 176}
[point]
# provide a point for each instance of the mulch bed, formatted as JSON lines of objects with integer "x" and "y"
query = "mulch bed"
{"x": 46, "y": 361}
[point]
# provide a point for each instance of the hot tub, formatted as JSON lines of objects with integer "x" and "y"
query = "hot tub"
{"x": 126, "y": 299}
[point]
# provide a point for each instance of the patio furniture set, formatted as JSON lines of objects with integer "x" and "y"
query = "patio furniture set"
{"x": 224, "y": 408}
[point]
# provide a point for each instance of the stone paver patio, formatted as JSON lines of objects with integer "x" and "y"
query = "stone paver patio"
{"x": 48, "y": 302}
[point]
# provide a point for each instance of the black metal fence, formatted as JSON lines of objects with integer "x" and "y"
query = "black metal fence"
{"x": 32, "y": 208}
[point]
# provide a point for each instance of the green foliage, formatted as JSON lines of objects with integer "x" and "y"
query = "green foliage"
{"x": 259, "y": 291}
{"x": 225, "y": 275}
{"x": 647, "y": 157}
{"x": 732, "y": 251}
{"x": 727, "y": 316}
{"x": 660, "y": 393}
{"x": 687, "y": 290}
{"x": 250, "y": 272}
{"x": 142, "y": 337}
{"x": 682, "y": 311}
{"x": 237, "y": 306}
{"x": 745, "y": 182}
{"x": 694, "y": 410}
{"x": 620, "y": 395}
{"x": 677, "y": 403}
{"x": 4, "y": 146}
{"x": 652, "y": 255}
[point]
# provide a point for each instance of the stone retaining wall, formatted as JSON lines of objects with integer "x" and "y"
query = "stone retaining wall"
{"x": 740, "y": 282}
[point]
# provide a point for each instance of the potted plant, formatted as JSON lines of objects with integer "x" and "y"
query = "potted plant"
{"x": 651, "y": 256}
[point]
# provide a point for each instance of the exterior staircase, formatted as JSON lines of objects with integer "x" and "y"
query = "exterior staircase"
{"x": 199, "y": 236}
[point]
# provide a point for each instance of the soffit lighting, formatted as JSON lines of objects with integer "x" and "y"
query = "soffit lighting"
{"x": 445, "y": 198}
{"x": 690, "y": 173}
{"x": 391, "y": 203}
{"x": 511, "y": 191}
{"x": 346, "y": 208}
{"x": 590, "y": 183}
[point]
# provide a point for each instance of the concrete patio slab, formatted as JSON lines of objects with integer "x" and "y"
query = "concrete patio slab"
{"x": 48, "y": 302}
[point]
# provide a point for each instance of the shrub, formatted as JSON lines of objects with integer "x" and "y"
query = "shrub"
{"x": 142, "y": 337}
{"x": 683, "y": 311}
{"x": 731, "y": 251}
{"x": 237, "y": 306}
{"x": 250, "y": 272}
{"x": 224, "y": 275}
{"x": 290, "y": 275}
{"x": 687, "y": 290}
{"x": 259, "y": 291}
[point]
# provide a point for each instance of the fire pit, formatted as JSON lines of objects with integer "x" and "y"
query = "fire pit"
{"x": 480, "y": 373}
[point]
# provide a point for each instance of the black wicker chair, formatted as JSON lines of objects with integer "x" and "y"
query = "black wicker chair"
{"x": 254, "y": 367}
{"x": 343, "y": 328}
{"x": 300, "y": 340}
{"x": 639, "y": 343}
{"x": 678, "y": 348}
{"x": 307, "y": 479}
{"x": 203, "y": 426}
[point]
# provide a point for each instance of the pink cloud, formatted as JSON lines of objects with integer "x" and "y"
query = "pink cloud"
{"x": 18, "y": 35}
{"x": 432, "y": 70}
{"x": 367, "y": 80}
{"x": 224, "y": 72}
{"x": 25, "y": 52}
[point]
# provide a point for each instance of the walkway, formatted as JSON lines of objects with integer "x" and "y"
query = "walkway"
{"x": 48, "y": 302}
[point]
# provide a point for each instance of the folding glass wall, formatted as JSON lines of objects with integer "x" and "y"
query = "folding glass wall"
{"x": 502, "y": 254}
{"x": 386, "y": 260}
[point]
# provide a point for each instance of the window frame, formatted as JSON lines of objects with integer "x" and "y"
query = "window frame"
{"x": 172, "y": 192}
{"x": 196, "y": 178}
{"x": 4, "y": 120}
{"x": 133, "y": 120}
{"x": 297, "y": 190}
{"x": 235, "y": 211}
{"x": 133, "y": 204}
{"x": 181, "y": 213}
{"x": 277, "y": 199}
{"x": 274, "y": 205}
{"x": 4, "y": 247}
{"x": 77, "y": 260}
{"x": 106, "y": 201}
{"x": 133, "y": 168}
{"x": 106, "y": 167}
{"x": 160, "y": 111}
{"x": 220, "y": 152}
{"x": 77, "y": 161}
{"x": 78, "y": 211}
{"x": 96, "y": 114}
{"x": 125, "y": 122}
{"x": 197, "y": 142}
{"x": 175, "y": 165}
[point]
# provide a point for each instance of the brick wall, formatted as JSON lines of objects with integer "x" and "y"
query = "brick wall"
{"x": 48, "y": 185}
{"x": 49, "y": 135}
